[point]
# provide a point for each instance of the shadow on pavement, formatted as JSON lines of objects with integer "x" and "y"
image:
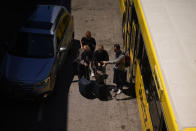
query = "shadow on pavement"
{"x": 94, "y": 90}
{"x": 104, "y": 92}
{"x": 129, "y": 91}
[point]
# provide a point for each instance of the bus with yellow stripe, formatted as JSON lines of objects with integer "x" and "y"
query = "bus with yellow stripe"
{"x": 160, "y": 37}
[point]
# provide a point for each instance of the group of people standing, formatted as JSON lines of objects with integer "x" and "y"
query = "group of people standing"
{"x": 94, "y": 62}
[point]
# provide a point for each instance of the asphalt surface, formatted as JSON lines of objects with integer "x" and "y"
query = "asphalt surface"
{"x": 120, "y": 112}
{"x": 67, "y": 109}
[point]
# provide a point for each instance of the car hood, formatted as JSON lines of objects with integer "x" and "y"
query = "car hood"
{"x": 28, "y": 70}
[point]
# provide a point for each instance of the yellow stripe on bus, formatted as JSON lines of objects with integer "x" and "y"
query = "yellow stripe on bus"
{"x": 165, "y": 102}
{"x": 122, "y": 6}
{"x": 189, "y": 129}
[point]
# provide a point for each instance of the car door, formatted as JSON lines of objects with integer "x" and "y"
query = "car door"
{"x": 62, "y": 37}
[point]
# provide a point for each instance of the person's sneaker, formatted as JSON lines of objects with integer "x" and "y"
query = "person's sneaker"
{"x": 92, "y": 74}
{"x": 119, "y": 91}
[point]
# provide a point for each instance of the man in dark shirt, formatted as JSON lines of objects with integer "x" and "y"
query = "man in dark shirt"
{"x": 88, "y": 40}
{"x": 100, "y": 55}
{"x": 99, "y": 67}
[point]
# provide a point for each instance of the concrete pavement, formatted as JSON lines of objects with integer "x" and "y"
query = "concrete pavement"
{"x": 103, "y": 19}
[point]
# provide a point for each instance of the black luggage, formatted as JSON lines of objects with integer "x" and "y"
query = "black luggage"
{"x": 86, "y": 88}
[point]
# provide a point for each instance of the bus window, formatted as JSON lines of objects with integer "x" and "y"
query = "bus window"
{"x": 137, "y": 44}
{"x": 139, "y": 47}
{"x": 128, "y": 37}
{"x": 129, "y": 24}
{"x": 129, "y": 40}
{"x": 133, "y": 35}
{"x": 130, "y": 11}
{"x": 134, "y": 30}
{"x": 156, "y": 114}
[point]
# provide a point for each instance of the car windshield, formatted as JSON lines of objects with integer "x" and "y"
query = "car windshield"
{"x": 32, "y": 45}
